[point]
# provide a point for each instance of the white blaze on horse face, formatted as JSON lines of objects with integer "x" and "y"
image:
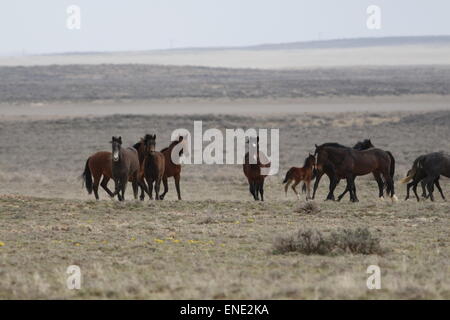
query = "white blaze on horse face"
{"x": 116, "y": 155}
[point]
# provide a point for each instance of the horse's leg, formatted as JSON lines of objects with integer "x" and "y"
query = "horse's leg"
{"x": 144, "y": 189}
{"x": 424, "y": 192}
{"x": 438, "y": 186}
{"x": 135, "y": 186}
{"x": 429, "y": 181}
{"x": 124, "y": 187}
{"x": 333, "y": 184}
{"x": 261, "y": 190}
{"x": 150, "y": 187}
{"x": 316, "y": 183}
{"x": 95, "y": 184}
{"x": 286, "y": 186}
{"x": 295, "y": 190}
{"x": 380, "y": 183}
{"x": 166, "y": 187}
{"x": 408, "y": 186}
{"x": 104, "y": 185}
{"x": 177, "y": 185}
{"x": 157, "y": 186}
{"x": 308, "y": 189}
{"x": 251, "y": 187}
{"x": 255, "y": 190}
{"x": 343, "y": 194}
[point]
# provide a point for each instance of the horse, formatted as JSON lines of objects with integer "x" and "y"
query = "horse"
{"x": 361, "y": 145}
{"x": 140, "y": 147}
{"x": 428, "y": 168}
{"x": 98, "y": 165}
{"x": 154, "y": 165}
{"x": 172, "y": 169}
{"x": 252, "y": 170}
{"x": 300, "y": 174}
{"x": 125, "y": 167}
{"x": 346, "y": 163}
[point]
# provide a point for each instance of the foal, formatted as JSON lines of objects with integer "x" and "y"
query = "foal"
{"x": 301, "y": 174}
{"x": 154, "y": 165}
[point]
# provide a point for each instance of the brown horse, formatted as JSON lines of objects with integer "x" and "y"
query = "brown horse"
{"x": 252, "y": 170}
{"x": 348, "y": 163}
{"x": 98, "y": 165}
{"x": 172, "y": 169}
{"x": 140, "y": 147}
{"x": 125, "y": 167}
{"x": 154, "y": 165}
{"x": 301, "y": 174}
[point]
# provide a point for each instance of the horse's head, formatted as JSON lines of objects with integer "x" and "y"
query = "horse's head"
{"x": 364, "y": 145}
{"x": 318, "y": 149}
{"x": 150, "y": 143}
{"x": 310, "y": 161}
{"x": 116, "y": 145}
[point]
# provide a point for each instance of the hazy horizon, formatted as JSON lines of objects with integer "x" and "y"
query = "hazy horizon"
{"x": 40, "y": 27}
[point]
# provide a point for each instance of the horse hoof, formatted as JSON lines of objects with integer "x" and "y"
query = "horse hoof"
{"x": 394, "y": 198}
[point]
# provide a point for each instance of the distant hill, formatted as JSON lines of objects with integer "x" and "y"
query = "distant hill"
{"x": 357, "y": 43}
{"x": 319, "y": 44}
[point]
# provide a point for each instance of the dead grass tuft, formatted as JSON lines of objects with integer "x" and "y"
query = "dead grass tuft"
{"x": 309, "y": 207}
{"x": 308, "y": 242}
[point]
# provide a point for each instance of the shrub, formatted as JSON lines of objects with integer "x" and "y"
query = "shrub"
{"x": 358, "y": 241}
{"x": 309, "y": 207}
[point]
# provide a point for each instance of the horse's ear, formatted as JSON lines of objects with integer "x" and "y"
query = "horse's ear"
{"x": 257, "y": 139}
{"x": 154, "y": 136}
{"x": 316, "y": 145}
{"x": 180, "y": 138}
{"x": 120, "y": 139}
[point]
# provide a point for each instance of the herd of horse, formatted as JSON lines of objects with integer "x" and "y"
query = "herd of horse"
{"x": 146, "y": 168}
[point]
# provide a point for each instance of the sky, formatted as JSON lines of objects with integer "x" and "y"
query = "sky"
{"x": 34, "y": 27}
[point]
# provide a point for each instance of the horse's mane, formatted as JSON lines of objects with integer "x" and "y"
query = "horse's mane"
{"x": 172, "y": 144}
{"x": 306, "y": 161}
{"x": 333, "y": 144}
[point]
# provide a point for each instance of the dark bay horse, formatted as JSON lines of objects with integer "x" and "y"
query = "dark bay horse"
{"x": 252, "y": 169}
{"x": 361, "y": 145}
{"x": 428, "y": 168}
{"x": 172, "y": 169}
{"x": 154, "y": 165}
{"x": 297, "y": 175}
{"x": 334, "y": 181}
{"x": 417, "y": 175}
{"x": 98, "y": 165}
{"x": 348, "y": 163}
{"x": 125, "y": 167}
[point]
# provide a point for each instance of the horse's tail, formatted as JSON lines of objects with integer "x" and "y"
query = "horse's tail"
{"x": 392, "y": 172}
{"x": 288, "y": 175}
{"x": 412, "y": 172}
{"x": 87, "y": 177}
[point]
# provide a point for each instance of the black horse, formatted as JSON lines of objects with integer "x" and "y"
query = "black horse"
{"x": 334, "y": 181}
{"x": 347, "y": 163}
{"x": 427, "y": 169}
